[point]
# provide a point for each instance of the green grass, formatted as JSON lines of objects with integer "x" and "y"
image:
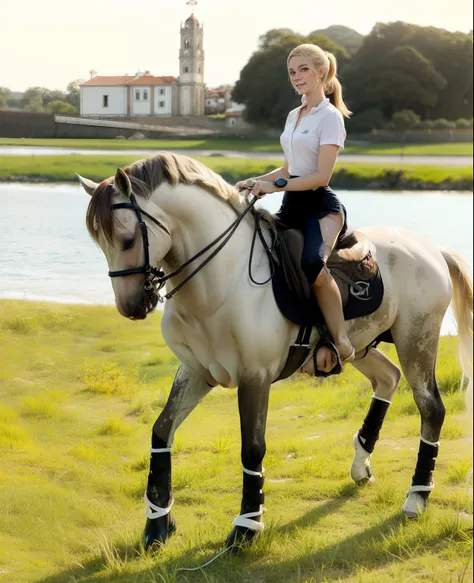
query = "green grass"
{"x": 74, "y": 462}
{"x": 346, "y": 175}
{"x": 243, "y": 145}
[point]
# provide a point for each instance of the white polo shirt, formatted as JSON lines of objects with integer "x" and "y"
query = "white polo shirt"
{"x": 324, "y": 124}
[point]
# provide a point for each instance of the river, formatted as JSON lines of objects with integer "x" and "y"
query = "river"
{"x": 47, "y": 253}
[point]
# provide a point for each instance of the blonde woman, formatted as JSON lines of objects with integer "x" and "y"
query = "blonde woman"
{"x": 313, "y": 135}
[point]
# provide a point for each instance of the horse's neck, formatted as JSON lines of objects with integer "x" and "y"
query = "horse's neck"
{"x": 196, "y": 218}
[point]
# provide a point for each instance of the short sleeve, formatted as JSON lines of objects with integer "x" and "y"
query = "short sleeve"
{"x": 333, "y": 131}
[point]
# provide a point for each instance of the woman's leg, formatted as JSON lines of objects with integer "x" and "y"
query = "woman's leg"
{"x": 326, "y": 290}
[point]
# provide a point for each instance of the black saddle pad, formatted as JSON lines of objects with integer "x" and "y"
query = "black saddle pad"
{"x": 295, "y": 297}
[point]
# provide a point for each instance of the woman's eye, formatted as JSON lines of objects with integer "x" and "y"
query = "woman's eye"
{"x": 128, "y": 244}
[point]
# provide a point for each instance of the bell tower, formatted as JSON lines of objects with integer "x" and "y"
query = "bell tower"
{"x": 191, "y": 68}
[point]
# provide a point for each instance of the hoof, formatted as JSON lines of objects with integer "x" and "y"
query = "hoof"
{"x": 240, "y": 538}
{"x": 415, "y": 505}
{"x": 157, "y": 532}
{"x": 361, "y": 472}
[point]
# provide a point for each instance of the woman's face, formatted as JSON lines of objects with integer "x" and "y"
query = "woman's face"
{"x": 303, "y": 77}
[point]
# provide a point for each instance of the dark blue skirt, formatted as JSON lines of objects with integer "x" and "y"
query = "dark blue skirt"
{"x": 302, "y": 210}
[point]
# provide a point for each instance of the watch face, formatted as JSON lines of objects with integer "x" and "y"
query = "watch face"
{"x": 281, "y": 182}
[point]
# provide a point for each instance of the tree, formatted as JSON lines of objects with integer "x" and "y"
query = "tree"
{"x": 263, "y": 85}
{"x": 33, "y": 99}
{"x": 52, "y": 95}
{"x": 405, "y": 119}
{"x": 4, "y": 95}
{"x": 409, "y": 81}
{"x": 73, "y": 93}
{"x": 397, "y": 60}
{"x": 61, "y": 107}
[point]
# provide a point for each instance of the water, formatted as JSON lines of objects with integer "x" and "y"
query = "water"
{"x": 47, "y": 253}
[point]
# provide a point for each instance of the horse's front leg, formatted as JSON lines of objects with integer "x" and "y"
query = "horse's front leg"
{"x": 253, "y": 408}
{"x": 187, "y": 391}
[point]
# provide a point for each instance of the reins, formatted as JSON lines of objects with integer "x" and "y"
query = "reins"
{"x": 155, "y": 279}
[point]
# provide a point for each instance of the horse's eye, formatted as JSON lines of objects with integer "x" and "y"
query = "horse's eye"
{"x": 128, "y": 244}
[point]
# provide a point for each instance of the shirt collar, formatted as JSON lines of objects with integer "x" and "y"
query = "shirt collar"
{"x": 324, "y": 103}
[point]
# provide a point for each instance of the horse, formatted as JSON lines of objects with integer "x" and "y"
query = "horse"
{"x": 170, "y": 211}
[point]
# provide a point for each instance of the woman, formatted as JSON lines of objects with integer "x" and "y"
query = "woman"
{"x": 313, "y": 135}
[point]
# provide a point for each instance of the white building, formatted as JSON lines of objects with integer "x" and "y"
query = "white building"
{"x": 144, "y": 94}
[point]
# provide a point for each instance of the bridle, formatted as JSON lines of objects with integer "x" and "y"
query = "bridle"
{"x": 155, "y": 279}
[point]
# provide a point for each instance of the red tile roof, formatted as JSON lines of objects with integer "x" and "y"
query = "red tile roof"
{"x": 106, "y": 81}
{"x": 101, "y": 80}
{"x": 152, "y": 80}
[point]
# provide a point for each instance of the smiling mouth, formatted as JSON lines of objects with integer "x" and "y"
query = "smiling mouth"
{"x": 300, "y": 85}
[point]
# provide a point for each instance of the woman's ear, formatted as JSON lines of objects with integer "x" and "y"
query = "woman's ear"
{"x": 122, "y": 183}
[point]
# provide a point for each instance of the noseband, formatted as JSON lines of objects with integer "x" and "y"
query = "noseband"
{"x": 155, "y": 279}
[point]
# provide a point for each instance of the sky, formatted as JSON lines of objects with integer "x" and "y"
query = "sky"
{"x": 52, "y": 42}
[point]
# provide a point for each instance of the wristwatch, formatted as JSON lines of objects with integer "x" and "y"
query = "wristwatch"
{"x": 280, "y": 182}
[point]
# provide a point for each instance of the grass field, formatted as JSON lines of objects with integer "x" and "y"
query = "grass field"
{"x": 346, "y": 175}
{"x": 243, "y": 145}
{"x": 80, "y": 388}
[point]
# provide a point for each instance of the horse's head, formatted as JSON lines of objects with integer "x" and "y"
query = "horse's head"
{"x": 125, "y": 224}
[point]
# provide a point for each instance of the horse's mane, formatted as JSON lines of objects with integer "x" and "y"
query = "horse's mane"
{"x": 148, "y": 174}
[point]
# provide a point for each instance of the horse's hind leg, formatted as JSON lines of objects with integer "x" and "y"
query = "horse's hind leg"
{"x": 253, "y": 407}
{"x": 416, "y": 338}
{"x": 187, "y": 391}
{"x": 384, "y": 376}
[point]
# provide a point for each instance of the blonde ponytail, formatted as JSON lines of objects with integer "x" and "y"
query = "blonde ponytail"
{"x": 333, "y": 86}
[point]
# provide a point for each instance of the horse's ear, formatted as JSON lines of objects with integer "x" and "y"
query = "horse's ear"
{"x": 88, "y": 185}
{"x": 122, "y": 183}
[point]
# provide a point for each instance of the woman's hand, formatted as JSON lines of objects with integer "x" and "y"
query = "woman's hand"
{"x": 245, "y": 184}
{"x": 261, "y": 188}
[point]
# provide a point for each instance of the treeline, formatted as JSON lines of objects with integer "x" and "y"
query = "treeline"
{"x": 41, "y": 99}
{"x": 402, "y": 76}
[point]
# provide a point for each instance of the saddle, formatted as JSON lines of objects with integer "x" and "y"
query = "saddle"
{"x": 354, "y": 268}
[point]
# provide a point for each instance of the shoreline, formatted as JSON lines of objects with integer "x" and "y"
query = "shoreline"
{"x": 347, "y": 175}
{"x": 376, "y": 185}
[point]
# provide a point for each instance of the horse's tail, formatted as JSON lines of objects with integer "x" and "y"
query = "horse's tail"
{"x": 461, "y": 277}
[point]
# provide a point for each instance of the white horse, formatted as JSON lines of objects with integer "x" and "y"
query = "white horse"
{"x": 227, "y": 331}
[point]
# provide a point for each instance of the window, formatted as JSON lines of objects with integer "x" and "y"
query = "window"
{"x": 137, "y": 95}
{"x": 162, "y": 91}
{"x": 186, "y": 69}
{"x": 199, "y": 69}
{"x": 145, "y": 95}
{"x": 105, "y": 101}
{"x": 161, "y": 104}
{"x": 187, "y": 45}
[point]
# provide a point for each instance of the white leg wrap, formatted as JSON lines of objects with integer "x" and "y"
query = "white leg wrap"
{"x": 245, "y": 520}
{"x": 153, "y": 512}
{"x": 433, "y": 443}
{"x": 414, "y": 489}
{"x": 163, "y": 450}
{"x": 374, "y": 396}
{"x": 252, "y": 473}
{"x": 360, "y": 468}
